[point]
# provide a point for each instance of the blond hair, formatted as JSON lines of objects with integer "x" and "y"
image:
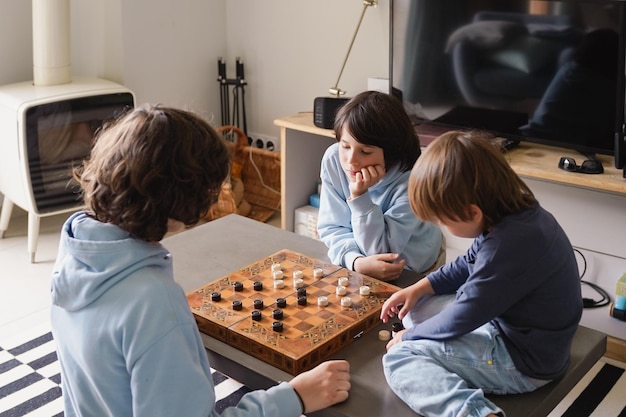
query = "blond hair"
{"x": 462, "y": 168}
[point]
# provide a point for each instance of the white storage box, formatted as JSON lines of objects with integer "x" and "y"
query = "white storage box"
{"x": 305, "y": 222}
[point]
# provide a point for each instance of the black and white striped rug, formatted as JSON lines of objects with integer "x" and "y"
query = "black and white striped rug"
{"x": 30, "y": 383}
{"x": 600, "y": 393}
{"x": 30, "y": 379}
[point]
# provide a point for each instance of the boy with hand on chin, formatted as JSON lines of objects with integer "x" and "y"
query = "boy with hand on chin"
{"x": 365, "y": 218}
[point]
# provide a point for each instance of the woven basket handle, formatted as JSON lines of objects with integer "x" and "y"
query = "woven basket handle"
{"x": 239, "y": 158}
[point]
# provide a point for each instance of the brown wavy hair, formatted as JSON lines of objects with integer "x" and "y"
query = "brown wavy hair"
{"x": 152, "y": 164}
{"x": 379, "y": 119}
{"x": 462, "y": 168}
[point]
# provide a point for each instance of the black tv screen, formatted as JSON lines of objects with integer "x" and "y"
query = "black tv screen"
{"x": 543, "y": 71}
{"x": 59, "y": 135}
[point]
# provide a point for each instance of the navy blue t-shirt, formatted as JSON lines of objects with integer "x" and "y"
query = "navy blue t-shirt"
{"x": 523, "y": 277}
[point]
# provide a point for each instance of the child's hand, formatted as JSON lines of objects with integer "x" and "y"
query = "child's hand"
{"x": 384, "y": 266}
{"x": 326, "y": 384}
{"x": 397, "y": 338}
{"x": 401, "y": 302}
{"x": 398, "y": 304}
{"x": 365, "y": 178}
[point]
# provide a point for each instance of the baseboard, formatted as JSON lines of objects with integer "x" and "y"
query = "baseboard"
{"x": 616, "y": 349}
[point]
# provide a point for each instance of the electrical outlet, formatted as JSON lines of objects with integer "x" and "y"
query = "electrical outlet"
{"x": 264, "y": 141}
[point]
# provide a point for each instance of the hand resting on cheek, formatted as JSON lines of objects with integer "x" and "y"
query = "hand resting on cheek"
{"x": 365, "y": 178}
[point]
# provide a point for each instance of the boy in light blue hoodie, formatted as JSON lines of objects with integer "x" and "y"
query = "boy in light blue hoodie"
{"x": 365, "y": 218}
{"x": 127, "y": 341}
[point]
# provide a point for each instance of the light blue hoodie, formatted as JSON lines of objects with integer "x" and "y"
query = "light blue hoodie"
{"x": 379, "y": 221}
{"x": 126, "y": 339}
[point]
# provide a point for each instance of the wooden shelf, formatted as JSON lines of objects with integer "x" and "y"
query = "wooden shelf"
{"x": 616, "y": 349}
{"x": 304, "y": 123}
{"x": 528, "y": 159}
{"x": 541, "y": 162}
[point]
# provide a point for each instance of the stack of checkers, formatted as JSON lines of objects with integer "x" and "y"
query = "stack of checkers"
{"x": 289, "y": 310}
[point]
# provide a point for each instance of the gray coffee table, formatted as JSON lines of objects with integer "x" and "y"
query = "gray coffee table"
{"x": 217, "y": 248}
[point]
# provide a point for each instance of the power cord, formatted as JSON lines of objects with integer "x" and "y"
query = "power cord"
{"x": 590, "y": 302}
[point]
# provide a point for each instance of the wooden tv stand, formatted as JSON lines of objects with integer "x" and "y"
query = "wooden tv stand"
{"x": 302, "y": 145}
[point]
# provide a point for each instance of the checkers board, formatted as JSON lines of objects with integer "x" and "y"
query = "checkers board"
{"x": 310, "y": 333}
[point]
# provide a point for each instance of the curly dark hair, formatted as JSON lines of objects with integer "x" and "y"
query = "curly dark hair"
{"x": 379, "y": 119}
{"x": 152, "y": 164}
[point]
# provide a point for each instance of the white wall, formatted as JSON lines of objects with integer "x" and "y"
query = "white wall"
{"x": 169, "y": 52}
{"x": 166, "y": 52}
{"x": 293, "y": 51}
{"x": 16, "y": 41}
{"x": 162, "y": 50}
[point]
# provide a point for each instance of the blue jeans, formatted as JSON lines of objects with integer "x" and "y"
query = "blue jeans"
{"x": 449, "y": 378}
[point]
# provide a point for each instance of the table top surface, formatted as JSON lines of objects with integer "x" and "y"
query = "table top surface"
{"x": 212, "y": 250}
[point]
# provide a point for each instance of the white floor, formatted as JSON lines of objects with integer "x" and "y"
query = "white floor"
{"x": 24, "y": 286}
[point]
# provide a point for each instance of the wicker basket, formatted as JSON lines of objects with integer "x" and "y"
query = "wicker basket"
{"x": 259, "y": 172}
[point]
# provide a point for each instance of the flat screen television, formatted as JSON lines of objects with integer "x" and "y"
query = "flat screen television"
{"x": 543, "y": 71}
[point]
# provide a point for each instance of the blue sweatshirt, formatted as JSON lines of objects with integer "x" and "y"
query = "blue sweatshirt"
{"x": 126, "y": 339}
{"x": 378, "y": 221}
{"x": 522, "y": 276}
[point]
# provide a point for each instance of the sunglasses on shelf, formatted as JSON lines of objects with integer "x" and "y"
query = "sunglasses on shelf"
{"x": 589, "y": 166}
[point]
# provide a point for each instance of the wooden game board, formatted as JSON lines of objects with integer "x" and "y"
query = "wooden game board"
{"x": 311, "y": 334}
